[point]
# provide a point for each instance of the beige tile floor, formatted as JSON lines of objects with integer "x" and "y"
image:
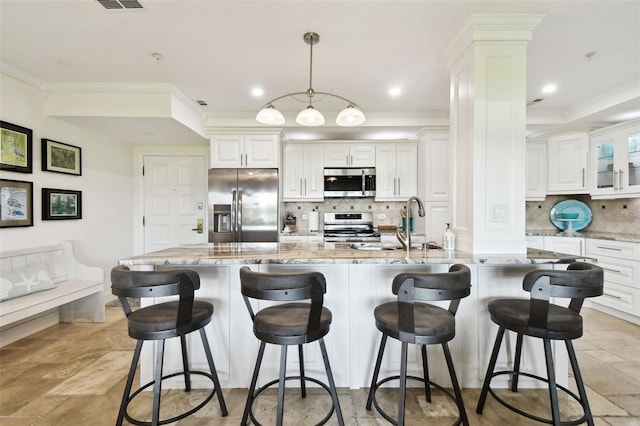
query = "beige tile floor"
{"x": 73, "y": 374}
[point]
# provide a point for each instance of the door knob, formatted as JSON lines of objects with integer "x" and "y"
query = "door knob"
{"x": 199, "y": 227}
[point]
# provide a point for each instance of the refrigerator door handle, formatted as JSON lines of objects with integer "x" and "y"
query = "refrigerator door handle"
{"x": 239, "y": 217}
{"x": 234, "y": 211}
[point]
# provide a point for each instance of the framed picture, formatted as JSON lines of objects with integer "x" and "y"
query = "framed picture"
{"x": 61, "y": 158}
{"x": 16, "y": 203}
{"x": 15, "y": 148}
{"x": 60, "y": 204}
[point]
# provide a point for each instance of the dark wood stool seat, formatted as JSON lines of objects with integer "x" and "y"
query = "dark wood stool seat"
{"x": 539, "y": 318}
{"x": 289, "y": 323}
{"x": 413, "y": 322}
{"x": 160, "y": 322}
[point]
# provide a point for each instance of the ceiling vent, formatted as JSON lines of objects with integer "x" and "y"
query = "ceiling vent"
{"x": 120, "y": 4}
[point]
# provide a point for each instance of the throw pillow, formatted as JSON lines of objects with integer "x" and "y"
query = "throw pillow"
{"x": 23, "y": 281}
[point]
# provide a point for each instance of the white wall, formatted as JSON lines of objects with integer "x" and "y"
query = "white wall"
{"x": 105, "y": 232}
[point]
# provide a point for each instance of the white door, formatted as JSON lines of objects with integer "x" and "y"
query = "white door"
{"x": 174, "y": 201}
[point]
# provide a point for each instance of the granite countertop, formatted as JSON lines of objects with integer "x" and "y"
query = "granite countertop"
{"x": 631, "y": 238}
{"x": 328, "y": 253}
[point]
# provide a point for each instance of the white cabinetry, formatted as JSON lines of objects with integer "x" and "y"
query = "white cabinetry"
{"x": 343, "y": 154}
{"x": 433, "y": 183}
{"x": 302, "y": 172}
{"x": 244, "y": 151}
{"x": 536, "y": 171}
{"x": 567, "y": 245}
{"x": 621, "y": 263}
{"x": 567, "y": 166}
{"x": 396, "y": 171}
{"x": 615, "y": 161}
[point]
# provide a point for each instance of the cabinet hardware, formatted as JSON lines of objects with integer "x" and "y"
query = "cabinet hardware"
{"x": 620, "y": 179}
{"x": 351, "y": 162}
{"x": 612, "y": 295}
{"x": 301, "y": 187}
{"x": 611, "y": 270}
{"x": 615, "y": 180}
{"x": 609, "y": 248}
{"x": 246, "y": 160}
{"x": 583, "y": 176}
{"x": 305, "y": 187}
{"x": 399, "y": 186}
{"x": 394, "y": 186}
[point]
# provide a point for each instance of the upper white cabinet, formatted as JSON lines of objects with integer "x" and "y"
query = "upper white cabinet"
{"x": 615, "y": 161}
{"x": 396, "y": 171}
{"x": 536, "y": 171}
{"x": 244, "y": 151}
{"x": 433, "y": 176}
{"x": 302, "y": 172}
{"x": 567, "y": 166}
{"x": 349, "y": 155}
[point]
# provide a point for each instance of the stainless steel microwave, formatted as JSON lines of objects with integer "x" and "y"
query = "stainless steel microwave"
{"x": 350, "y": 182}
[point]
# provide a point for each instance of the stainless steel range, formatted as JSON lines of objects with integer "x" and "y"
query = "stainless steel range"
{"x": 350, "y": 228}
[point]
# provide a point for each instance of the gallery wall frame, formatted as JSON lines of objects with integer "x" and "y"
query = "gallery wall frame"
{"x": 61, "y": 157}
{"x": 61, "y": 204}
{"x": 16, "y": 203}
{"x": 16, "y": 143}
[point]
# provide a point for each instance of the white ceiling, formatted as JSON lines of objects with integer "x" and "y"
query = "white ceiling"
{"x": 217, "y": 51}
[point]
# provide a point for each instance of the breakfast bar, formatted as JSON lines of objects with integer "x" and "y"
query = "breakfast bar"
{"x": 358, "y": 279}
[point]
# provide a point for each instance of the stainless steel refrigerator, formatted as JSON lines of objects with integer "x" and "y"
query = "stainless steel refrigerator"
{"x": 243, "y": 205}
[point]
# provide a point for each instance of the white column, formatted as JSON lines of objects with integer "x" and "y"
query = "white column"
{"x": 488, "y": 62}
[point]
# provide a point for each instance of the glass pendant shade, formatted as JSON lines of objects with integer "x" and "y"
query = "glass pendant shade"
{"x": 270, "y": 115}
{"x": 350, "y": 116}
{"x": 310, "y": 117}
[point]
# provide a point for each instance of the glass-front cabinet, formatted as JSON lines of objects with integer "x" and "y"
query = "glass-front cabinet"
{"x": 615, "y": 152}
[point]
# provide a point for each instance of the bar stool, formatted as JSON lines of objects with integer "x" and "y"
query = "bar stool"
{"x": 539, "y": 318}
{"x": 284, "y": 324}
{"x": 411, "y": 321}
{"x": 160, "y": 322}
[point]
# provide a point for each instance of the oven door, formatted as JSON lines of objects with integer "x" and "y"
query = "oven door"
{"x": 349, "y": 183}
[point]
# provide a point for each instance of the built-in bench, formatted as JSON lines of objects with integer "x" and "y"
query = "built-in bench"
{"x": 78, "y": 292}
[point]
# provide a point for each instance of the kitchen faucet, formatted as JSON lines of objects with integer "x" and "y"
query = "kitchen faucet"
{"x": 405, "y": 239}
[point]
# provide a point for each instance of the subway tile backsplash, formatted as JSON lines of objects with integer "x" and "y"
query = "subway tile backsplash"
{"x": 620, "y": 216}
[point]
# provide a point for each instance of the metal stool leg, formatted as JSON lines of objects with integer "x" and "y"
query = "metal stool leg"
{"x": 579, "y": 384}
{"x": 214, "y": 372}
{"x": 303, "y": 387}
{"x": 185, "y": 364}
{"x": 252, "y": 386}
{"x": 157, "y": 386}
{"x": 425, "y": 369}
{"x": 516, "y": 363}
{"x": 490, "y": 368}
{"x": 283, "y": 375}
{"x": 403, "y": 383}
{"x": 376, "y": 371}
{"x": 551, "y": 375}
{"x": 332, "y": 385}
{"x": 454, "y": 382}
{"x": 127, "y": 388}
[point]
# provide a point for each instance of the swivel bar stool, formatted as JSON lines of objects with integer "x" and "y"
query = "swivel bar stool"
{"x": 411, "y": 321}
{"x": 284, "y": 324}
{"x": 539, "y": 318}
{"x": 160, "y": 322}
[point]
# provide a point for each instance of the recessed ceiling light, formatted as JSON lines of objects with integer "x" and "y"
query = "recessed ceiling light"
{"x": 549, "y": 88}
{"x": 395, "y": 91}
{"x": 257, "y": 92}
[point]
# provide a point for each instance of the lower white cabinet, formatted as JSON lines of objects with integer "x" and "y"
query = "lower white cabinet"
{"x": 568, "y": 245}
{"x": 621, "y": 263}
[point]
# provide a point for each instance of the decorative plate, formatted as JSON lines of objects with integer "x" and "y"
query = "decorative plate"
{"x": 570, "y": 206}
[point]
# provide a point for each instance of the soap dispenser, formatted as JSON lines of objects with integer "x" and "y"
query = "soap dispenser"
{"x": 448, "y": 239}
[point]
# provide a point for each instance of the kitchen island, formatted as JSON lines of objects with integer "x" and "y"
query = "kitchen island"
{"x": 357, "y": 281}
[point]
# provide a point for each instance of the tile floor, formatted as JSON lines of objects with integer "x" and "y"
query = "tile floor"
{"x": 73, "y": 374}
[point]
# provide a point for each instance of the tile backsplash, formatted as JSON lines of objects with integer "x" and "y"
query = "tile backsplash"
{"x": 615, "y": 216}
{"x": 620, "y": 216}
{"x": 390, "y": 209}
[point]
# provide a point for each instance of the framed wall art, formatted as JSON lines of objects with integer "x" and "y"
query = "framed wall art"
{"x": 16, "y": 203}
{"x": 61, "y": 158}
{"x": 15, "y": 148}
{"x": 60, "y": 204}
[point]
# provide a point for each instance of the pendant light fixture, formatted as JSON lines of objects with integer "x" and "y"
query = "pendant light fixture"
{"x": 350, "y": 116}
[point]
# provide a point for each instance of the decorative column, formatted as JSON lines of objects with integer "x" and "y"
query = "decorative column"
{"x": 488, "y": 64}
